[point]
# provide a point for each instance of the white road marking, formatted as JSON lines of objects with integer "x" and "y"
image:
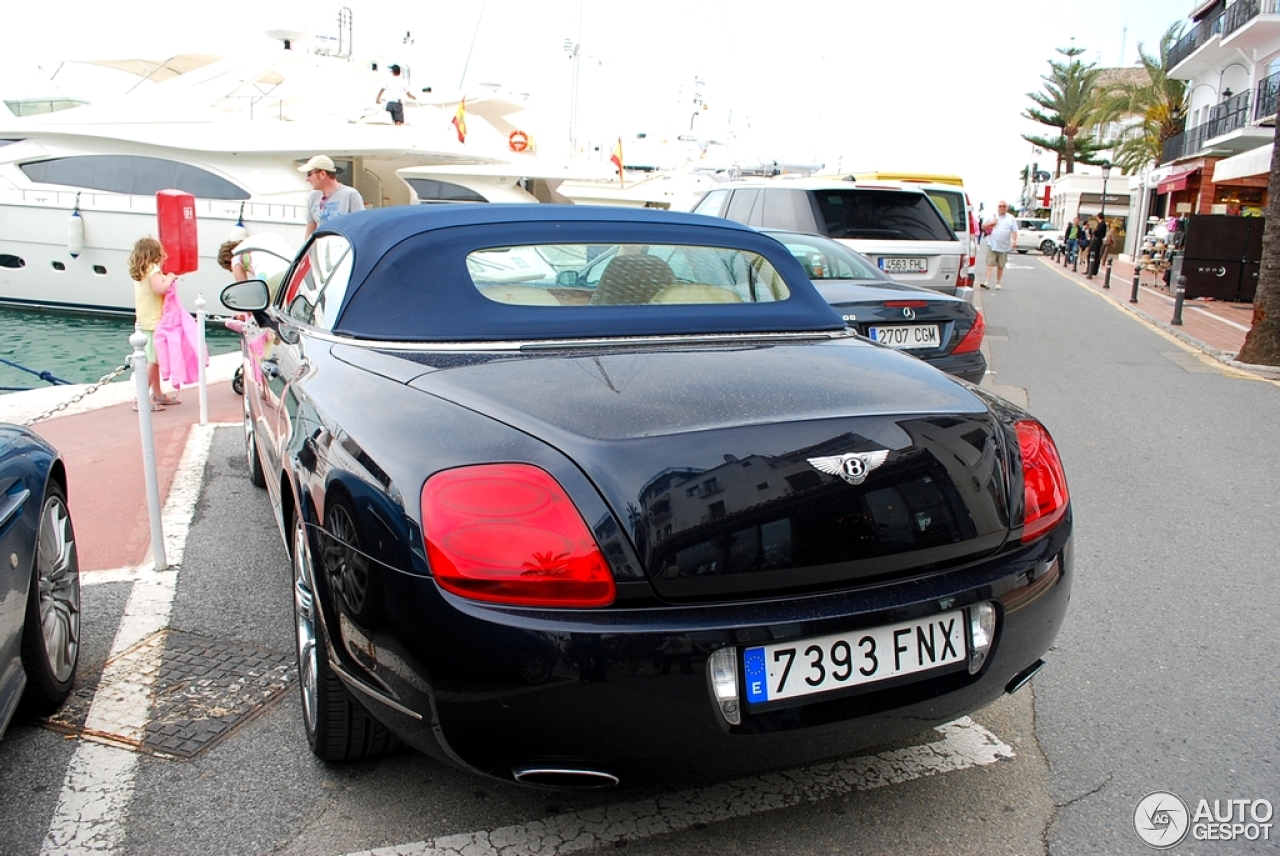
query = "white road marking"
{"x": 96, "y": 792}
{"x": 964, "y": 744}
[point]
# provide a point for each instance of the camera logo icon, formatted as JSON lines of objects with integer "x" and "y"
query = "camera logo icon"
{"x": 1161, "y": 819}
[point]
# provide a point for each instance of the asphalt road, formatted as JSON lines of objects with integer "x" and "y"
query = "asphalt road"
{"x": 1163, "y": 679}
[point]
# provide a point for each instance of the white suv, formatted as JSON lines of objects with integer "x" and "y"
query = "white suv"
{"x": 899, "y": 228}
{"x": 1034, "y": 233}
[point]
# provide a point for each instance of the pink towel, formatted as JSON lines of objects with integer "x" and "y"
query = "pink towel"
{"x": 176, "y": 343}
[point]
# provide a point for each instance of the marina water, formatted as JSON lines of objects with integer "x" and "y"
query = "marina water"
{"x": 75, "y": 348}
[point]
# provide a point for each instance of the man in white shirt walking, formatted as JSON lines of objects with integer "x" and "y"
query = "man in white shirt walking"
{"x": 1002, "y": 239}
{"x": 396, "y": 89}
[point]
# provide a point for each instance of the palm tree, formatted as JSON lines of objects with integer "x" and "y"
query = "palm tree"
{"x": 1068, "y": 102}
{"x": 1158, "y": 102}
{"x": 1262, "y": 342}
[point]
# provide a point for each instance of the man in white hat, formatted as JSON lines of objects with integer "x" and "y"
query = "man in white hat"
{"x": 329, "y": 197}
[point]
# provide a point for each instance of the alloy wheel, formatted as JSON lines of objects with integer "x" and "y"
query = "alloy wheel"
{"x": 305, "y": 624}
{"x": 58, "y": 579}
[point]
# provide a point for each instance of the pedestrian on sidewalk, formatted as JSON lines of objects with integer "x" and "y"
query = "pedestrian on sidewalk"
{"x": 1002, "y": 239}
{"x": 1096, "y": 239}
{"x": 1070, "y": 236}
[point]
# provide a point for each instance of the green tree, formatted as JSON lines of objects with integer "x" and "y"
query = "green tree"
{"x": 1158, "y": 103}
{"x": 1086, "y": 148}
{"x": 1068, "y": 103}
{"x": 1262, "y": 342}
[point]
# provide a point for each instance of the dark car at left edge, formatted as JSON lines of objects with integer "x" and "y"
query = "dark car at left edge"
{"x": 580, "y": 496}
{"x": 39, "y": 578}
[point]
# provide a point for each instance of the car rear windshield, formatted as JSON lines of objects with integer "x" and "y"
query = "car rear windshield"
{"x": 623, "y": 275}
{"x": 887, "y": 215}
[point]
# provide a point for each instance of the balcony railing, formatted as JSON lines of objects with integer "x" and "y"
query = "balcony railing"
{"x": 1224, "y": 118}
{"x": 1268, "y": 93}
{"x": 1199, "y": 34}
{"x": 1229, "y": 115}
{"x": 1243, "y": 11}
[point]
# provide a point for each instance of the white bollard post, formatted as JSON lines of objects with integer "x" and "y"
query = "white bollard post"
{"x": 200, "y": 355}
{"x": 143, "y": 391}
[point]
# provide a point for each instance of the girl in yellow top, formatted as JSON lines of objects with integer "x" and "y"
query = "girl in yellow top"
{"x": 149, "y": 287}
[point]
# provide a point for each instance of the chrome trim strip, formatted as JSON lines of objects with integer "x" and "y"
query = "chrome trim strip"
{"x": 569, "y": 344}
{"x": 376, "y": 696}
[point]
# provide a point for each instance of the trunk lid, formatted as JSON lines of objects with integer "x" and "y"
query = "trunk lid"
{"x": 731, "y": 470}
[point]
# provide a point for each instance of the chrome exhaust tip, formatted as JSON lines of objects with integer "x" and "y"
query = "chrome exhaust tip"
{"x": 563, "y": 777}
{"x": 1020, "y": 680}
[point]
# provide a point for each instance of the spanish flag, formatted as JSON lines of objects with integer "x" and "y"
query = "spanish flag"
{"x": 616, "y": 160}
{"x": 460, "y": 121}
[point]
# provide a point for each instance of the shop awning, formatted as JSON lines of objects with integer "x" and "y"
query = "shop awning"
{"x": 1176, "y": 180}
{"x": 1255, "y": 162}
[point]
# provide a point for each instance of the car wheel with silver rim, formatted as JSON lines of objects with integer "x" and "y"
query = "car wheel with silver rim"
{"x": 51, "y": 631}
{"x": 337, "y": 727}
{"x": 1048, "y": 248}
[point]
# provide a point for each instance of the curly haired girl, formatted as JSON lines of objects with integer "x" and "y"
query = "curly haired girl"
{"x": 149, "y": 286}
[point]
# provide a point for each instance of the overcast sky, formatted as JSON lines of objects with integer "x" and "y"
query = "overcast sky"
{"x": 927, "y": 86}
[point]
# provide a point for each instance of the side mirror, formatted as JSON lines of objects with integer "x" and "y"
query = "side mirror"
{"x": 248, "y": 296}
{"x": 567, "y": 278}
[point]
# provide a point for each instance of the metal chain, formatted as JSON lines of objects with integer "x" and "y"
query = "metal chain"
{"x": 88, "y": 390}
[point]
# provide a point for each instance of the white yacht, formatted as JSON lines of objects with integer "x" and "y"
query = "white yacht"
{"x": 77, "y": 186}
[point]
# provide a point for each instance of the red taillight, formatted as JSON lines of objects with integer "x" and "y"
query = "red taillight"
{"x": 508, "y": 533}
{"x": 972, "y": 340}
{"x": 1043, "y": 481}
{"x": 914, "y": 304}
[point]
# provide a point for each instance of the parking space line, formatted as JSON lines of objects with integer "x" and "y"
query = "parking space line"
{"x": 93, "y": 804}
{"x": 964, "y": 744}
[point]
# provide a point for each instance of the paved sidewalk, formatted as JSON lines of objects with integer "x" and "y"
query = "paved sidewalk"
{"x": 1215, "y": 327}
{"x": 101, "y": 444}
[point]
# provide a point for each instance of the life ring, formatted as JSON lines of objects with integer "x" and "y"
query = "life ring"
{"x": 518, "y": 141}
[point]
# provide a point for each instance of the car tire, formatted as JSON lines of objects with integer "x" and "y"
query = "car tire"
{"x": 337, "y": 727}
{"x": 51, "y": 630}
{"x": 256, "y": 475}
{"x": 237, "y": 381}
{"x": 1048, "y": 248}
{"x": 1022, "y": 252}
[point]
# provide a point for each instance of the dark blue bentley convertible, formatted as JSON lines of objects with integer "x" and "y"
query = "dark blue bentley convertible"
{"x": 576, "y": 496}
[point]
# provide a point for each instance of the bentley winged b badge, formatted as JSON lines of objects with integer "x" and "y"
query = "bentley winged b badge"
{"x": 853, "y": 467}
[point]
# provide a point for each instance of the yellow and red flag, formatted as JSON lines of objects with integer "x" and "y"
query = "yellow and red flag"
{"x": 616, "y": 160}
{"x": 460, "y": 121}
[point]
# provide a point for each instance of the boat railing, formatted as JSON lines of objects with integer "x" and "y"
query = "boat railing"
{"x": 216, "y": 209}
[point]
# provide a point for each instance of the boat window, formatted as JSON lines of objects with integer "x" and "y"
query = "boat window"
{"x": 430, "y": 190}
{"x": 37, "y": 106}
{"x": 9, "y": 261}
{"x": 133, "y": 174}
